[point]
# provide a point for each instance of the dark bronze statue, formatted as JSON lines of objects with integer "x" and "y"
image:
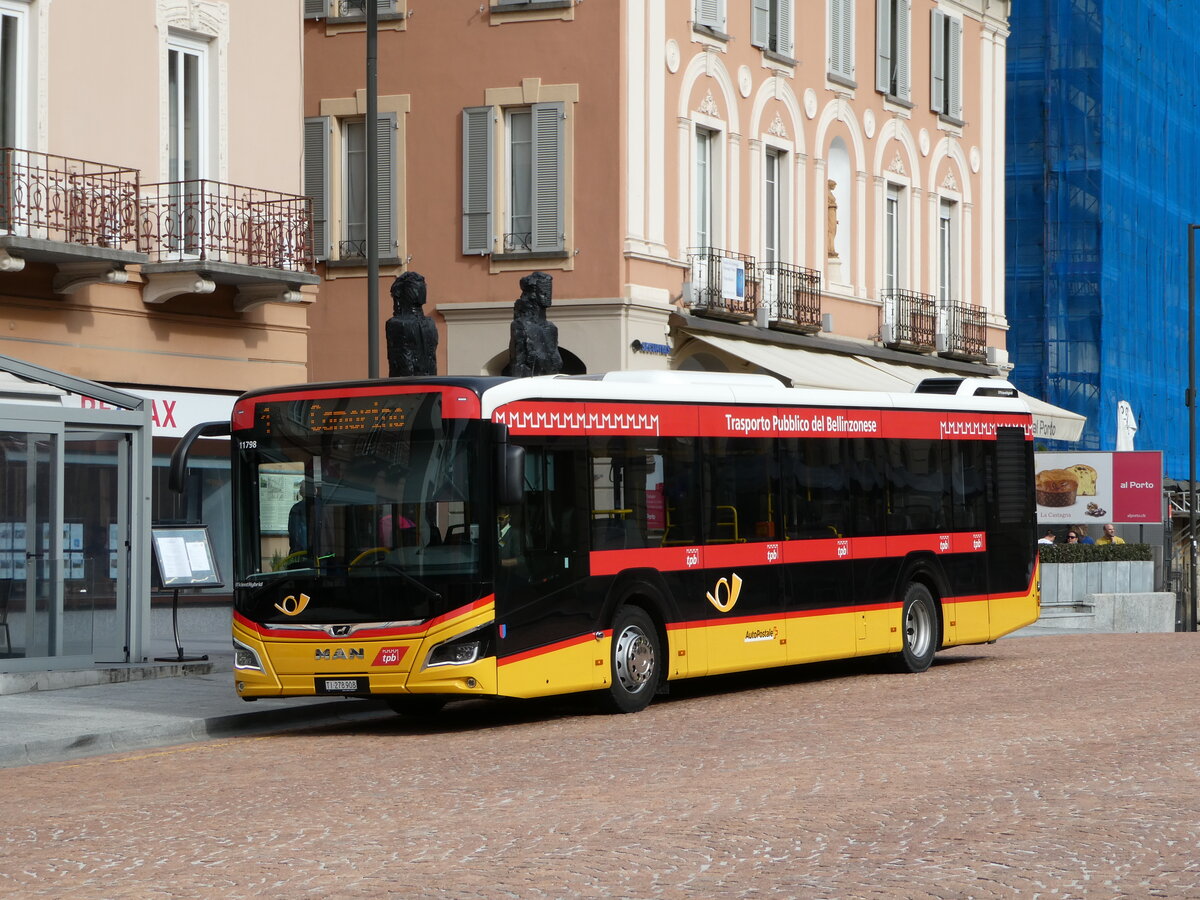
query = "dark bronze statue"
{"x": 533, "y": 342}
{"x": 412, "y": 337}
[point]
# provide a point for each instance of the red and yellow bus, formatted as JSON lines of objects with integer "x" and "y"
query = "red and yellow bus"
{"x": 424, "y": 539}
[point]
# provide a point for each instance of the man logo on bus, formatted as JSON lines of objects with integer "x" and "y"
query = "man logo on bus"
{"x": 692, "y": 557}
{"x": 291, "y": 606}
{"x": 730, "y": 587}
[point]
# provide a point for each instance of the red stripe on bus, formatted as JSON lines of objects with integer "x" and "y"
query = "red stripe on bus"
{"x": 586, "y": 417}
{"x": 406, "y": 630}
{"x": 548, "y": 648}
{"x": 765, "y": 553}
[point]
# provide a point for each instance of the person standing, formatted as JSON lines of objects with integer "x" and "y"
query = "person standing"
{"x": 1110, "y": 536}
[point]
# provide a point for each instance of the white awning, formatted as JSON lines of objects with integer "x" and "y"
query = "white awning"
{"x": 815, "y": 369}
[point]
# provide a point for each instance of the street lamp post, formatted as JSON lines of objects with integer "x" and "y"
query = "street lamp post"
{"x": 372, "y": 194}
{"x": 1189, "y": 616}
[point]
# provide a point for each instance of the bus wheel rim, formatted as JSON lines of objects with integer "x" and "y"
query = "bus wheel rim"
{"x": 634, "y": 659}
{"x": 918, "y": 629}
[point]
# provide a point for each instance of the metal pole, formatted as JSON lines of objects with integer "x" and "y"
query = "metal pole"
{"x": 372, "y": 195}
{"x": 1189, "y": 619}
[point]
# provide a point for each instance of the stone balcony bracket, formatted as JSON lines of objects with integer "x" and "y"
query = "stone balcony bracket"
{"x": 10, "y": 263}
{"x": 250, "y": 296}
{"x": 72, "y": 277}
{"x": 160, "y": 288}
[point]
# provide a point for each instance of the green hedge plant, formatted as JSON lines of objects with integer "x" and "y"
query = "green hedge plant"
{"x": 1085, "y": 553}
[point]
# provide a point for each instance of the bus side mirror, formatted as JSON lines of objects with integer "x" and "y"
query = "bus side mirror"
{"x": 510, "y": 477}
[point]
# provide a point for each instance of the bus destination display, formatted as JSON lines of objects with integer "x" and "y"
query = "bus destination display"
{"x": 343, "y": 415}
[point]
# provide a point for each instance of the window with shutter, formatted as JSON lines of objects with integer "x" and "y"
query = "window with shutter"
{"x": 841, "y": 39}
{"x": 316, "y": 180}
{"x": 711, "y": 14}
{"x": 946, "y": 65}
{"x": 316, "y": 9}
{"x": 892, "y": 24}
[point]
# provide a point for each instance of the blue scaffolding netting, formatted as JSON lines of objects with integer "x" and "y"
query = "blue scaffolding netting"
{"x": 1103, "y": 177}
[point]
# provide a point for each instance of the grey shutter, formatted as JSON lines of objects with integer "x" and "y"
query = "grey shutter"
{"x": 835, "y": 36}
{"x": 708, "y": 12}
{"x": 477, "y": 180}
{"x": 954, "y": 70}
{"x": 316, "y": 180}
{"x": 385, "y": 186}
{"x": 547, "y": 176}
{"x": 883, "y": 46}
{"x": 760, "y": 23}
{"x": 784, "y": 26}
{"x": 903, "y": 26}
{"x": 841, "y": 39}
{"x": 937, "y": 76}
{"x": 386, "y": 6}
{"x": 316, "y": 9}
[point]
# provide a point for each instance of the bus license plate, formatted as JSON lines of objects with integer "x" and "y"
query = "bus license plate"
{"x": 343, "y": 686}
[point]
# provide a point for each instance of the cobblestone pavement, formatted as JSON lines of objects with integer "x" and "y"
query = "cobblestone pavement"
{"x": 1061, "y": 766}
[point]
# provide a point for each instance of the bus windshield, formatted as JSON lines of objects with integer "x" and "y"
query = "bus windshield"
{"x": 366, "y": 506}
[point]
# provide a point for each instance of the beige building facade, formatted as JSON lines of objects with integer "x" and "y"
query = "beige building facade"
{"x": 155, "y": 258}
{"x": 707, "y": 181}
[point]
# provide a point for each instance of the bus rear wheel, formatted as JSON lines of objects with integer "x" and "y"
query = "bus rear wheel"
{"x": 636, "y": 660}
{"x": 919, "y": 624}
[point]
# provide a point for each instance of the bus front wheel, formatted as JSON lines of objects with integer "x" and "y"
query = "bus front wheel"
{"x": 919, "y": 624}
{"x": 636, "y": 661}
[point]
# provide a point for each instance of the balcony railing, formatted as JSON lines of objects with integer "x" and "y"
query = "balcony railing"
{"x": 792, "y": 295}
{"x": 226, "y": 223}
{"x": 69, "y": 201}
{"x": 909, "y": 320}
{"x": 723, "y": 284}
{"x": 964, "y": 331}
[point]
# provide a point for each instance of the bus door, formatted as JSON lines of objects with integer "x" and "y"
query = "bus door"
{"x": 744, "y": 603}
{"x": 816, "y": 516}
{"x": 542, "y": 604}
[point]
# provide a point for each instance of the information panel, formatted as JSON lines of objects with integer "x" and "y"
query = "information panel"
{"x": 183, "y": 557}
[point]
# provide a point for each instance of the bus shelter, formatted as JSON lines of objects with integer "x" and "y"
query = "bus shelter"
{"x": 74, "y": 522}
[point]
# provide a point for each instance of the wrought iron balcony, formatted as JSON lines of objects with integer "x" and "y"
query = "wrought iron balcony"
{"x": 792, "y": 296}
{"x": 963, "y": 334}
{"x": 183, "y": 221}
{"x": 58, "y": 209}
{"x": 909, "y": 320}
{"x": 723, "y": 284}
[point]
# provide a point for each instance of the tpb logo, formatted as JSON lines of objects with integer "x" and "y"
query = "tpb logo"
{"x": 389, "y": 656}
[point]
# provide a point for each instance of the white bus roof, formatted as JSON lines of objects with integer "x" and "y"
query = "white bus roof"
{"x": 750, "y": 390}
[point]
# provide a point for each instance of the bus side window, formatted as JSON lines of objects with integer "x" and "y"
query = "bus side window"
{"x": 865, "y": 467}
{"x": 680, "y": 492}
{"x": 968, "y": 481}
{"x": 814, "y": 485}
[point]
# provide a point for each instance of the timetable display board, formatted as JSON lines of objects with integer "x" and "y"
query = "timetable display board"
{"x": 183, "y": 557}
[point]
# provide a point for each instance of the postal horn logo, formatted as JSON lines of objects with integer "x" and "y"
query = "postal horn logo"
{"x": 290, "y": 606}
{"x": 725, "y": 594}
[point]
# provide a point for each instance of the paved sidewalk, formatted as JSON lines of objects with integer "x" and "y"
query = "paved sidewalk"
{"x": 163, "y": 704}
{"x": 56, "y": 716}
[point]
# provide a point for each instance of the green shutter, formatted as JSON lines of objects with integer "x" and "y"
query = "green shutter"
{"x": 385, "y": 185}
{"x": 477, "y": 180}
{"x": 316, "y": 180}
{"x": 883, "y": 46}
{"x": 547, "y": 176}
{"x": 760, "y": 23}
{"x": 937, "y": 76}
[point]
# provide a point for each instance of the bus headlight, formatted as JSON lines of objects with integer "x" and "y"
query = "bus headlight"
{"x": 460, "y": 650}
{"x": 245, "y": 658}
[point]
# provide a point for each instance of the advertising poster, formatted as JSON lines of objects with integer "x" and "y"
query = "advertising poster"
{"x": 733, "y": 279}
{"x": 1091, "y": 487}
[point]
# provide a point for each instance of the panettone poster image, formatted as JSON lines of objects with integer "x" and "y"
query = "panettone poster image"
{"x": 1074, "y": 488}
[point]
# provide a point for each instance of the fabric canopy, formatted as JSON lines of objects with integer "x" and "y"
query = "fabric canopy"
{"x": 815, "y": 369}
